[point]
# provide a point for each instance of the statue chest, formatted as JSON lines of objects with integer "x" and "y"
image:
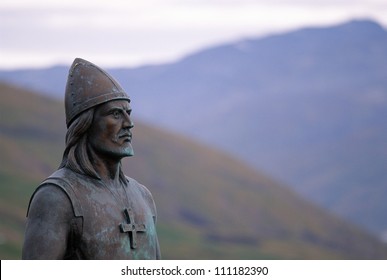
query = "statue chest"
{"x": 115, "y": 227}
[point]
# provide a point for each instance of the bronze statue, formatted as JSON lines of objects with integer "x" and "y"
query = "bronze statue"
{"x": 88, "y": 209}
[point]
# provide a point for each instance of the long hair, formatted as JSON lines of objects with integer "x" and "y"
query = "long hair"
{"x": 76, "y": 155}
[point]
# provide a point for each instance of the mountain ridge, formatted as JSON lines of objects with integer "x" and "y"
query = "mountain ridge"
{"x": 306, "y": 106}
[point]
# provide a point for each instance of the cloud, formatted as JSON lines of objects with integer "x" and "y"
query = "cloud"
{"x": 136, "y": 32}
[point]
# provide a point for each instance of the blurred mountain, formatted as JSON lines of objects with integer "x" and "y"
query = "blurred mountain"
{"x": 210, "y": 206}
{"x": 308, "y": 107}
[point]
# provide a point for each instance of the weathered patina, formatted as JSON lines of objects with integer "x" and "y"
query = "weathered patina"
{"x": 88, "y": 209}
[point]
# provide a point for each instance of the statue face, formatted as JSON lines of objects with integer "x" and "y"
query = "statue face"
{"x": 110, "y": 134}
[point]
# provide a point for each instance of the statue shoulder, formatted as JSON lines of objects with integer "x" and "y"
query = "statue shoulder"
{"x": 48, "y": 198}
{"x": 132, "y": 183}
{"x": 58, "y": 188}
{"x": 51, "y": 221}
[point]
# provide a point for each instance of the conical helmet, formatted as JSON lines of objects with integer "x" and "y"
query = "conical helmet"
{"x": 88, "y": 86}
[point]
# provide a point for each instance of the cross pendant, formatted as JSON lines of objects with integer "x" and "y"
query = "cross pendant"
{"x": 131, "y": 227}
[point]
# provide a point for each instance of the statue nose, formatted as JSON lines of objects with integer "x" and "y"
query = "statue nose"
{"x": 128, "y": 123}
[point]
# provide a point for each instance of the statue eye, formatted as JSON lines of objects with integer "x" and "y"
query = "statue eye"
{"x": 116, "y": 114}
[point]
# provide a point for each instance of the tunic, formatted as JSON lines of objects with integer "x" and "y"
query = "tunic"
{"x": 96, "y": 230}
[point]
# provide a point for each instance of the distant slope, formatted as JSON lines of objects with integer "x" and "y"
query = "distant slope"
{"x": 210, "y": 206}
{"x": 308, "y": 107}
{"x": 31, "y": 135}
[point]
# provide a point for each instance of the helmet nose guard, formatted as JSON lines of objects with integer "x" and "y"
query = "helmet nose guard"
{"x": 88, "y": 86}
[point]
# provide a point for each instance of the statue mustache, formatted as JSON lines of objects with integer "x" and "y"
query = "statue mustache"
{"x": 124, "y": 133}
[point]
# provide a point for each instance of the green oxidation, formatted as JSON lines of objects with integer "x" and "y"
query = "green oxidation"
{"x": 143, "y": 251}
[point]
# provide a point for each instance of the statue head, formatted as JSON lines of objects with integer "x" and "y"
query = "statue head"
{"x": 88, "y": 86}
{"x": 97, "y": 117}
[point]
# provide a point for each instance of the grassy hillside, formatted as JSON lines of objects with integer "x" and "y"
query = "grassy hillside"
{"x": 210, "y": 206}
{"x": 307, "y": 106}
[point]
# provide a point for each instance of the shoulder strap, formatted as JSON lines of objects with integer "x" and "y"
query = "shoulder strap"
{"x": 69, "y": 190}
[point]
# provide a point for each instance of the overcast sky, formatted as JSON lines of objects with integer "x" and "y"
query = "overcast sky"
{"x": 35, "y": 33}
